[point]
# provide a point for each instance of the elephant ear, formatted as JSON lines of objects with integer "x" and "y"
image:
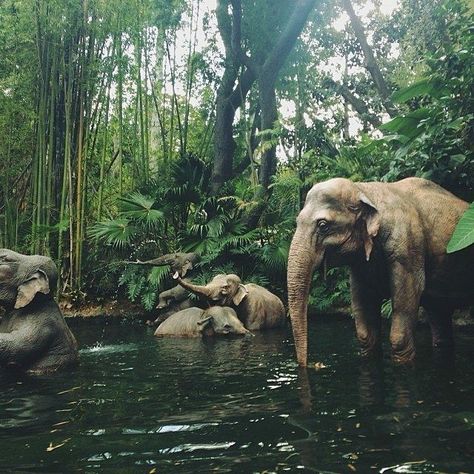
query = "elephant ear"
{"x": 37, "y": 283}
{"x": 203, "y": 323}
{"x": 371, "y": 217}
{"x": 241, "y": 293}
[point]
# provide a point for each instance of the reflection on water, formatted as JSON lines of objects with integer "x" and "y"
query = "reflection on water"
{"x": 139, "y": 403}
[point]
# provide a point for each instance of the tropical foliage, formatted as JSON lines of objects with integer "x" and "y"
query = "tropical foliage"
{"x": 134, "y": 129}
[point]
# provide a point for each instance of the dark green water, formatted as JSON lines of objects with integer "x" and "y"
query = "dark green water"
{"x": 141, "y": 404}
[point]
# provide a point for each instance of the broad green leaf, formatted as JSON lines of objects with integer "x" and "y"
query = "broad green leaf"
{"x": 463, "y": 235}
{"x": 407, "y": 125}
{"x": 422, "y": 87}
{"x": 115, "y": 232}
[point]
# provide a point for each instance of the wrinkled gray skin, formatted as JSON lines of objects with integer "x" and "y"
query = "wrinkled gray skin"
{"x": 195, "y": 322}
{"x": 164, "y": 314}
{"x": 394, "y": 237}
{"x": 255, "y": 306}
{"x": 33, "y": 334}
{"x": 171, "y": 301}
{"x": 177, "y": 294}
{"x": 179, "y": 262}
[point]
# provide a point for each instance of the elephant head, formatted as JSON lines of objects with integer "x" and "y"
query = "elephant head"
{"x": 22, "y": 277}
{"x": 222, "y": 289}
{"x": 336, "y": 225}
{"x": 179, "y": 262}
{"x": 221, "y": 320}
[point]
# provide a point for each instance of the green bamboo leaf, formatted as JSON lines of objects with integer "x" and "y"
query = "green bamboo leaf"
{"x": 463, "y": 235}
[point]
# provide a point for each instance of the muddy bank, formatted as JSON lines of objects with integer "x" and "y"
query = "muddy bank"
{"x": 128, "y": 310}
{"x": 112, "y": 308}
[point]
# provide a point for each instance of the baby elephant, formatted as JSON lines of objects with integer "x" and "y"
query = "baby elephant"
{"x": 169, "y": 302}
{"x": 195, "y": 322}
{"x": 174, "y": 295}
{"x": 256, "y": 307}
{"x": 33, "y": 334}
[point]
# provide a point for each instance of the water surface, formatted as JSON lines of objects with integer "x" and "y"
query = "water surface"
{"x": 142, "y": 404}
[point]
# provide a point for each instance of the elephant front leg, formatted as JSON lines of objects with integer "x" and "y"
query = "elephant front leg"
{"x": 406, "y": 288}
{"x": 440, "y": 314}
{"x": 366, "y": 306}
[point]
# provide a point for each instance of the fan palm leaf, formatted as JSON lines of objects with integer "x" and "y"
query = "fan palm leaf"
{"x": 116, "y": 232}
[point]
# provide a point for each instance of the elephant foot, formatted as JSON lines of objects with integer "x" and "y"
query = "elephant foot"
{"x": 369, "y": 346}
{"x": 403, "y": 356}
{"x": 371, "y": 351}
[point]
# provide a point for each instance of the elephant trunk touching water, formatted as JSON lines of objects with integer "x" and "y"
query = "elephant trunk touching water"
{"x": 302, "y": 260}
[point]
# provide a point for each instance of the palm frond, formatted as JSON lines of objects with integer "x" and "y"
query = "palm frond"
{"x": 275, "y": 255}
{"x": 139, "y": 207}
{"x": 116, "y": 232}
{"x": 148, "y": 298}
{"x": 158, "y": 275}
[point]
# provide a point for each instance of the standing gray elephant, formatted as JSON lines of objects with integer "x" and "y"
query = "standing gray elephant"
{"x": 394, "y": 237}
{"x": 33, "y": 334}
{"x": 256, "y": 307}
{"x": 194, "y": 322}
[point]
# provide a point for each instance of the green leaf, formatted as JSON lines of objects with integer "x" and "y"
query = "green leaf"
{"x": 456, "y": 160}
{"x": 158, "y": 275}
{"x": 115, "y": 232}
{"x": 422, "y": 87}
{"x": 407, "y": 125}
{"x": 140, "y": 207}
{"x": 463, "y": 235}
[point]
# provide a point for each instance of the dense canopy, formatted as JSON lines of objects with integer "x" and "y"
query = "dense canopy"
{"x": 134, "y": 129}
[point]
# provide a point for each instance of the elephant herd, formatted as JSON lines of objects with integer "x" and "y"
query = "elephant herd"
{"x": 245, "y": 308}
{"x": 393, "y": 237}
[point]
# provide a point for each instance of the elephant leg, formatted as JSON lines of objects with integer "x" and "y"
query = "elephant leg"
{"x": 406, "y": 288}
{"x": 366, "y": 305}
{"x": 440, "y": 314}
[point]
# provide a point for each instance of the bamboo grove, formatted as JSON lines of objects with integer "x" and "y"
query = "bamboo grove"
{"x": 94, "y": 92}
{"x": 199, "y": 125}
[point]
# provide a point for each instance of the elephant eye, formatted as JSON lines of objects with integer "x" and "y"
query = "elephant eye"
{"x": 323, "y": 225}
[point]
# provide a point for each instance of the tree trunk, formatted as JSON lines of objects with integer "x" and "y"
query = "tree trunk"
{"x": 370, "y": 62}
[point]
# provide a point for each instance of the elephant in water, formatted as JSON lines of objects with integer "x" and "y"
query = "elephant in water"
{"x": 393, "y": 236}
{"x": 255, "y": 306}
{"x": 34, "y": 336}
{"x": 171, "y": 301}
{"x": 174, "y": 295}
{"x": 179, "y": 262}
{"x": 195, "y": 322}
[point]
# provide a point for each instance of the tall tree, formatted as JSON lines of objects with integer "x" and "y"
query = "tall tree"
{"x": 370, "y": 61}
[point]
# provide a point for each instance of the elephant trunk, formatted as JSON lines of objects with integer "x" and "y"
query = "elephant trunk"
{"x": 302, "y": 261}
{"x": 158, "y": 262}
{"x": 196, "y": 289}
